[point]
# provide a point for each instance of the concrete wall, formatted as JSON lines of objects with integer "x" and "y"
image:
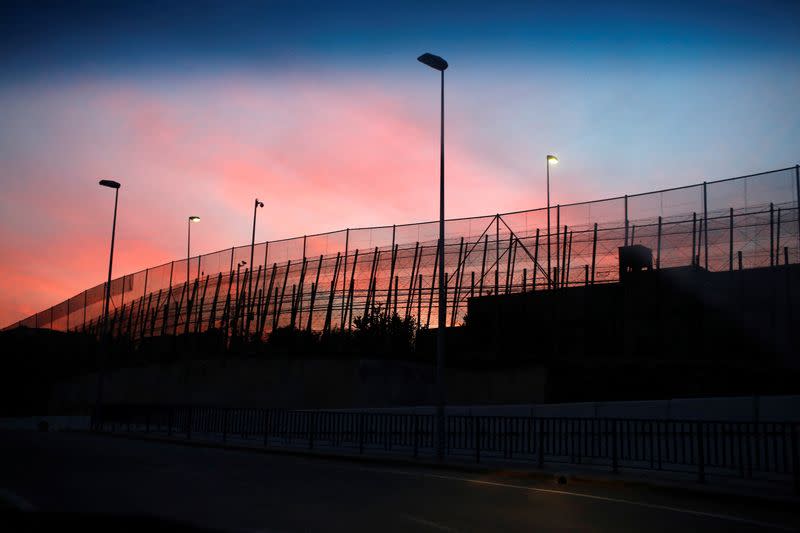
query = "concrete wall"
{"x": 297, "y": 383}
{"x": 373, "y": 384}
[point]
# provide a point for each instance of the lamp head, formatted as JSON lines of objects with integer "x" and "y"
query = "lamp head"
{"x": 194, "y": 219}
{"x": 552, "y": 160}
{"x": 259, "y": 203}
{"x": 110, "y": 183}
{"x": 435, "y": 62}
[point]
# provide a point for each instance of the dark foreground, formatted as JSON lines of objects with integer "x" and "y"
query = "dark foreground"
{"x": 231, "y": 490}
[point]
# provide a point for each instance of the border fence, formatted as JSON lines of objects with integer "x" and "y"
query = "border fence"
{"x": 322, "y": 282}
{"x": 700, "y": 449}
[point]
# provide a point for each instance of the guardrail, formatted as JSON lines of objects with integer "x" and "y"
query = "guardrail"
{"x": 765, "y": 451}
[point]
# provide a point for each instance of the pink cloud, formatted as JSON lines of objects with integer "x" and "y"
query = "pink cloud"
{"x": 322, "y": 158}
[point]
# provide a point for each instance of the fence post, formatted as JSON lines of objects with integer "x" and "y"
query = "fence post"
{"x": 614, "y": 455}
{"x": 189, "y": 424}
{"x": 385, "y": 433}
{"x": 558, "y": 244}
{"x": 730, "y": 244}
{"x": 701, "y": 457}
{"x": 225, "y": 424}
{"x": 540, "y": 446}
{"x": 778, "y": 240}
{"x": 626, "y": 220}
{"x": 476, "y": 422}
{"x": 795, "y": 458}
{"x": 416, "y": 435}
{"x": 267, "y": 417}
{"x": 771, "y": 234}
{"x": 497, "y": 255}
{"x": 361, "y": 433}
{"x": 505, "y": 420}
{"x": 658, "y": 245}
{"x": 311, "y": 419}
{"x": 797, "y": 203}
{"x": 705, "y": 225}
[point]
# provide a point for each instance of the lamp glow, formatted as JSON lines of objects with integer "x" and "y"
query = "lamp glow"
{"x": 552, "y": 160}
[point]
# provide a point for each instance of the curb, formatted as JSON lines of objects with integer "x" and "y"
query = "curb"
{"x": 560, "y": 477}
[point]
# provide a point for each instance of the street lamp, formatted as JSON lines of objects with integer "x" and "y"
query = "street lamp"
{"x": 437, "y": 63}
{"x": 551, "y": 160}
{"x": 252, "y": 248}
{"x": 239, "y": 265}
{"x": 192, "y": 220}
{"x": 112, "y": 185}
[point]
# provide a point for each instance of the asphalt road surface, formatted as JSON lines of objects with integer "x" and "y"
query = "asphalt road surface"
{"x": 246, "y": 491}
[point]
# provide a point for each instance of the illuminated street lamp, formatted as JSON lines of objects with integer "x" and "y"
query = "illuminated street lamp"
{"x": 551, "y": 160}
{"x": 192, "y": 220}
{"x": 437, "y": 63}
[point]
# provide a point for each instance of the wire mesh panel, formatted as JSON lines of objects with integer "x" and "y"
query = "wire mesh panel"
{"x": 94, "y": 304}
{"x": 760, "y": 190}
{"x": 328, "y": 280}
{"x": 326, "y": 243}
{"x": 673, "y": 204}
{"x": 59, "y": 316}
{"x": 214, "y": 263}
{"x": 136, "y": 291}
{"x": 159, "y": 278}
{"x": 75, "y": 318}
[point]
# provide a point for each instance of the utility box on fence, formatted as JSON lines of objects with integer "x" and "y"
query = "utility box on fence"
{"x": 634, "y": 258}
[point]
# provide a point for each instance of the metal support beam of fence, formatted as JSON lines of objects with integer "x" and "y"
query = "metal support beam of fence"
{"x": 705, "y": 224}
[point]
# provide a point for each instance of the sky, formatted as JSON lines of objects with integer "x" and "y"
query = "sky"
{"x": 321, "y": 110}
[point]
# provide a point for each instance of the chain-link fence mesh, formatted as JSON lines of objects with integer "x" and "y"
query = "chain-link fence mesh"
{"x": 323, "y": 282}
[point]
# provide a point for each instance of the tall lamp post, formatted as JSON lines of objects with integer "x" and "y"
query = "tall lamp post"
{"x": 551, "y": 160}
{"x": 252, "y": 249}
{"x": 192, "y": 220}
{"x": 437, "y": 63}
{"x": 106, "y": 333}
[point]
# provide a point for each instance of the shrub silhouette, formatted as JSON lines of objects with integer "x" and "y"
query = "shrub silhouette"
{"x": 379, "y": 332}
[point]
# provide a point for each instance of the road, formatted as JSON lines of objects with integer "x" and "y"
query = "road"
{"x": 247, "y": 491}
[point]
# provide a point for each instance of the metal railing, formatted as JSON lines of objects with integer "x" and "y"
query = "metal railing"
{"x": 703, "y": 449}
{"x": 322, "y": 282}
